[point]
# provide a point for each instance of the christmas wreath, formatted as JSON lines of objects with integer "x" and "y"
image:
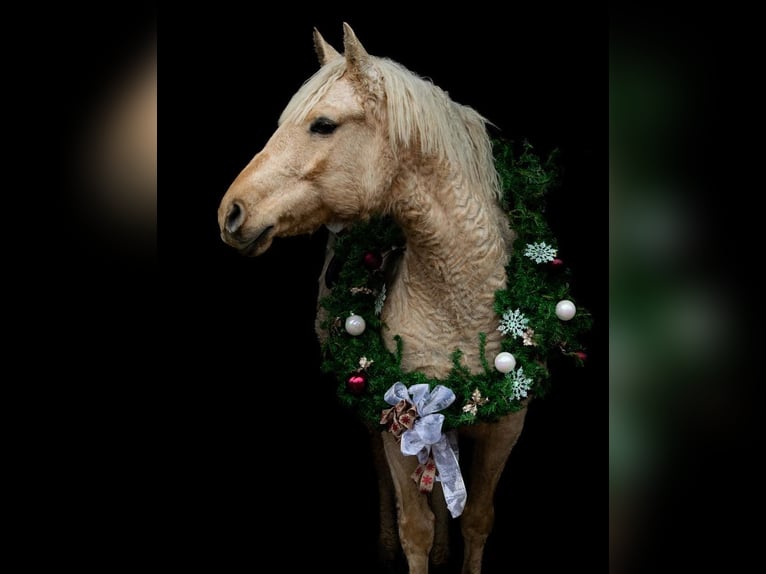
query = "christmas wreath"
{"x": 537, "y": 313}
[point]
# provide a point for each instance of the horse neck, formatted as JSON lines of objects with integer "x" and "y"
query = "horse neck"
{"x": 443, "y": 294}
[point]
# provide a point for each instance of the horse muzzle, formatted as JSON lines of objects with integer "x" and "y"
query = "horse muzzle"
{"x": 234, "y": 233}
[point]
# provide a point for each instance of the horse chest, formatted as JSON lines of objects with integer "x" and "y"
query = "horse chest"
{"x": 430, "y": 334}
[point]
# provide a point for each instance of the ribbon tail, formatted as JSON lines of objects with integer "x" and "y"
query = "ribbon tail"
{"x": 455, "y": 493}
{"x": 425, "y": 475}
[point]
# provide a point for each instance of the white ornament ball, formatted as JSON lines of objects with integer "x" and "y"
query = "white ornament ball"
{"x": 355, "y": 325}
{"x": 565, "y": 309}
{"x": 505, "y": 362}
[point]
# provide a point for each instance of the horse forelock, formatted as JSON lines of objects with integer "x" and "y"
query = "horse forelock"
{"x": 312, "y": 91}
{"x": 421, "y": 116}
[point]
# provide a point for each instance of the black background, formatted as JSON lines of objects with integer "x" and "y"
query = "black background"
{"x": 243, "y": 482}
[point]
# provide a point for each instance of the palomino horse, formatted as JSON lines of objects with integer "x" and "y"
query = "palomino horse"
{"x": 363, "y": 137}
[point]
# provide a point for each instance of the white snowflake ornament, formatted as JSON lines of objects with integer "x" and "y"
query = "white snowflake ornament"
{"x": 513, "y": 323}
{"x": 540, "y": 252}
{"x": 521, "y": 384}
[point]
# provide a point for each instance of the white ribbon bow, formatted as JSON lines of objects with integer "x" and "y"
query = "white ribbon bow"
{"x": 426, "y": 438}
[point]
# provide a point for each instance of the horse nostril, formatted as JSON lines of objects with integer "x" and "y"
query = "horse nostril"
{"x": 235, "y": 218}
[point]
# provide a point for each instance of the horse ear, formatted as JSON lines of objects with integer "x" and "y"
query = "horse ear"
{"x": 357, "y": 57}
{"x": 325, "y": 52}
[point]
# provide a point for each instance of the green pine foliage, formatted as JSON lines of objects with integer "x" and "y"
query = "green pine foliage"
{"x": 533, "y": 288}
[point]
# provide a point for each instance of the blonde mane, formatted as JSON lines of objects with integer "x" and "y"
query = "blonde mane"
{"x": 419, "y": 114}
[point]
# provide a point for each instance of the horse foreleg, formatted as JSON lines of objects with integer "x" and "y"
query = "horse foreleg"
{"x": 440, "y": 552}
{"x": 416, "y": 521}
{"x": 388, "y": 539}
{"x": 493, "y": 445}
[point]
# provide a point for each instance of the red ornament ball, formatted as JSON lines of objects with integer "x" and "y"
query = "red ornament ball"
{"x": 556, "y": 263}
{"x": 372, "y": 260}
{"x": 581, "y": 355}
{"x": 356, "y": 383}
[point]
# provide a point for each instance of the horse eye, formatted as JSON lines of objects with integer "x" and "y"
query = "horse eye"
{"x": 323, "y": 126}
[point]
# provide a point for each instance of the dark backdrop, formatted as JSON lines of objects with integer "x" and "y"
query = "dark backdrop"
{"x": 259, "y": 454}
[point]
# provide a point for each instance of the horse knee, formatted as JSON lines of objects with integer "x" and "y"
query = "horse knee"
{"x": 476, "y": 526}
{"x": 416, "y": 532}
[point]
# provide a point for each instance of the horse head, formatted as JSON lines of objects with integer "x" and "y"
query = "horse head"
{"x": 328, "y": 162}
